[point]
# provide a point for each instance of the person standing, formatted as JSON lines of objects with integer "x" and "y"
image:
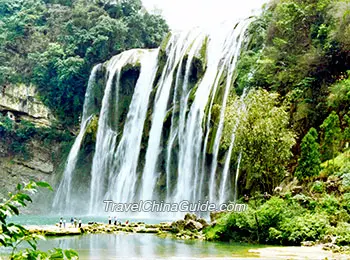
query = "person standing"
{"x": 64, "y": 223}
{"x": 115, "y": 221}
{"x": 72, "y": 221}
{"x": 61, "y": 221}
{"x": 109, "y": 220}
{"x": 79, "y": 223}
{"x": 75, "y": 222}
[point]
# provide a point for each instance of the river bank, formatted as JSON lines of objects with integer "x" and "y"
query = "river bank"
{"x": 179, "y": 231}
{"x": 98, "y": 228}
{"x": 141, "y": 233}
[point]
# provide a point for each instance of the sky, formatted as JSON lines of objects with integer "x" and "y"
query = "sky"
{"x": 185, "y": 14}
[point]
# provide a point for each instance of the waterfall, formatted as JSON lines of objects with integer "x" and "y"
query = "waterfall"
{"x": 157, "y": 136}
{"x": 177, "y": 130}
{"x": 102, "y": 165}
{"x": 237, "y": 175}
{"x": 177, "y": 51}
{"x": 62, "y": 200}
{"x": 223, "y": 190}
{"x": 238, "y": 38}
{"x": 123, "y": 177}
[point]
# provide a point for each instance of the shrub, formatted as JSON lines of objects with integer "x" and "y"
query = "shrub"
{"x": 304, "y": 227}
{"x": 13, "y": 234}
{"x": 346, "y": 201}
{"x": 346, "y": 181}
{"x": 310, "y": 159}
{"x": 342, "y": 233}
{"x": 318, "y": 187}
{"x": 259, "y": 225}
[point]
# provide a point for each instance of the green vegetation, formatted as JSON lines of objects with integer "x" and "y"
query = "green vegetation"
{"x": 17, "y": 136}
{"x": 299, "y": 53}
{"x": 12, "y": 235}
{"x": 55, "y": 43}
{"x": 310, "y": 158}
{"x": 264, "y": 135}
{"x": 332, "y": 136}
{"x": 286, "y": 220}
{"x": 298, "y": 49}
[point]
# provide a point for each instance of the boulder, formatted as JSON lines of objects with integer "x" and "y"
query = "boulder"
{"x": 297, "y": 190}
{"x": 177, "y": 226}
{"x": 193, "y": 225}
{"x": 308, "y": 243}
{"x": 327, "y": 239}
{"x": 203, "y": 222}
{"x": 332, "y": 184}
{"x": 331, "y": 247}
{"x": 190, "y": 216}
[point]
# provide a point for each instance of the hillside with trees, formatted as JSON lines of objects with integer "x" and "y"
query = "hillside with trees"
{"x": 299, "y": 51}
{"x": 54, "y": 44}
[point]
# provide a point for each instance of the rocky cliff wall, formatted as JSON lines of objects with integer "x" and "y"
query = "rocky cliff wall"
{"x": 43, "y": 152}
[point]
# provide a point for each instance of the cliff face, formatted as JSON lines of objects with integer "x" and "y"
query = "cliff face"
{"x": 21, "y": 104}
{"x": 15, "y": 169}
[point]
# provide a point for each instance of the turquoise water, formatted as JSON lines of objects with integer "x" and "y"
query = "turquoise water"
{"x": 133, "y": 246}
{"x": 144, "y": 246}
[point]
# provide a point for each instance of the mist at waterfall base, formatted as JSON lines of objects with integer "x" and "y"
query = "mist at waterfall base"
{"x": 153, "y": 114}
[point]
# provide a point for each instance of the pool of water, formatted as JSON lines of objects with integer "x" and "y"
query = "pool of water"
{"x": 145, "y": 246}
{"x": 133, "y": 246}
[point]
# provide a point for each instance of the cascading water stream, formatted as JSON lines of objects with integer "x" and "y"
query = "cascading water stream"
{"x": 158, "y": 148}
{"x": 176, "y": 54}
{"x": 223, "y": 190}
{"x": 62, "y": 200}
{"x": 107, "y": 131}
{"x": 178, "y": 129}
{"x": 123, "y": 177}
{"x": 233, "y": 58}
{"x": 190, "y": 146}
{"x": 237, "y": 175}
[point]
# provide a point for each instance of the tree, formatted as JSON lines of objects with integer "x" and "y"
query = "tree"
{"x": 263, "y": 137}
{"x": 310, "y": 158}
{"x": 346, "y": 132}
{"x": 54, "y": 44}
{"x": 13, "y": 235}
{"x": 331, "y": 136}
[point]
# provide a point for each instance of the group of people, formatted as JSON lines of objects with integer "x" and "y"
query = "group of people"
{"x": 115, "y": 221}
{"x": 77, "y": 222}
{"x": 74, "y": 222}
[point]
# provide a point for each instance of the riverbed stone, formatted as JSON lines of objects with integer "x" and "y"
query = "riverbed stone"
{"x": 190, "y": 216}
{"x": 178, "y": 225}
{"x": 308, "y": 243}
{"x": 203, "y": 222}
{"x": 193, "y": 225}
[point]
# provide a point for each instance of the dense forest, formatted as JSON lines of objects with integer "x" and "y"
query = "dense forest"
{"x": 299, "y": 58}
{"x": 54, "y": 44}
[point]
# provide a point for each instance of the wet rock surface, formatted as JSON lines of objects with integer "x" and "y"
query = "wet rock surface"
{"x": 190, "y": 227}
{"x": 98, "y": 228}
